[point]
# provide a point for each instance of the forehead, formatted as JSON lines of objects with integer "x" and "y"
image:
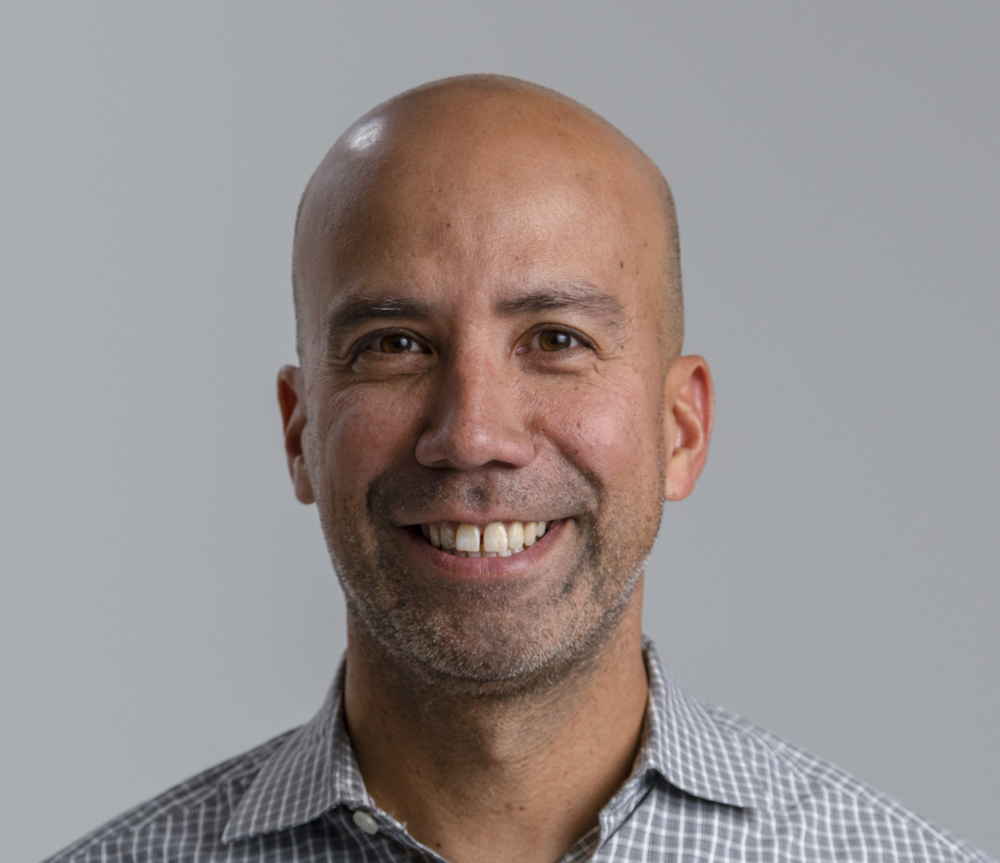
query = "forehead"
{"x": 484, "y": 198}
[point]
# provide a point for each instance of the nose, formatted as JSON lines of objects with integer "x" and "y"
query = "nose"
{"x": 477, "y": 418}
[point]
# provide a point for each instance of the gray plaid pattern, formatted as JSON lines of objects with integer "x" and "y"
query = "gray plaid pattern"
{"x": 707, "y": 786}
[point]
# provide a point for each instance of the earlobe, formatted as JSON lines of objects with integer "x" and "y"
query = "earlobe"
{"x": 688, "y": 416}
{"x": 291, "y": 400}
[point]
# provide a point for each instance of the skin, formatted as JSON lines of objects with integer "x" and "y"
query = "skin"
{"x": 485, "y": 278}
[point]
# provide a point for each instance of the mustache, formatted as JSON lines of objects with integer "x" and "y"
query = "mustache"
{"x": 403, "y": 494}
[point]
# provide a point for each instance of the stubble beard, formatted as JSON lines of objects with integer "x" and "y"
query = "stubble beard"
{"x": 487, "y": 640}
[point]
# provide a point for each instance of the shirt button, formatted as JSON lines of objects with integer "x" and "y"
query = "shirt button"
{"x": 366, "y": 822}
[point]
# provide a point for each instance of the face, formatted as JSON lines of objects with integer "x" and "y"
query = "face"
{"x": 484, "y": 349}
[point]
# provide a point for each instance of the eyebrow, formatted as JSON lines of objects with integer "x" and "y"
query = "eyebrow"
{"x": 362, "y": 310}
{"x": 579, "y": 296}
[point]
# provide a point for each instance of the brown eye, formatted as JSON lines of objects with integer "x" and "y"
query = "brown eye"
{"x": 555, "y": 340}
{"x": 397, "y": 343}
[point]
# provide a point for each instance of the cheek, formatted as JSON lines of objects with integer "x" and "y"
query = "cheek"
{"x": 609, "y": 429}
{"x": 362, "y": 432}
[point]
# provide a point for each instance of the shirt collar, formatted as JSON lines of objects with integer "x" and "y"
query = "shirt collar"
{"x": 689, "y": 748}
{"x": 315, "y": 770}
{"x": 312, "y": 772}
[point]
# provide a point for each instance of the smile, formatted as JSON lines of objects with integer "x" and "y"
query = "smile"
{"x": 497, "y": 539}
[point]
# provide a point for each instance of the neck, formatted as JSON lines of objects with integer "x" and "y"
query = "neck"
{"x": 498, "y": 777}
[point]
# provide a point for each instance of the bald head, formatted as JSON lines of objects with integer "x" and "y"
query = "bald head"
{"x": 485, "y": 142}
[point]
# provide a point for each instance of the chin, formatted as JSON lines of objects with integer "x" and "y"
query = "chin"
{"x": 494, "y": 655}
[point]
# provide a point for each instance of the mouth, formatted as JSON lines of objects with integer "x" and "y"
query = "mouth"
{"x": 496, "y": 539}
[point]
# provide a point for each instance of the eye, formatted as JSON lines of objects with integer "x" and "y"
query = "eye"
{"x": 555, "y": 340}
{"x": 392, "y": 342}
{"x": 397, "y": 343}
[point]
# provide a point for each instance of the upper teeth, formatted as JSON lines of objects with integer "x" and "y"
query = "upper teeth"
{"x": 495, "y": 540}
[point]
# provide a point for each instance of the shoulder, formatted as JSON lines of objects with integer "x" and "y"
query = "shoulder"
{"x": 194, "y": 811}
{"x": 831, "y": 806}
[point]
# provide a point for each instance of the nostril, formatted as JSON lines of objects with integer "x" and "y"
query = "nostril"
{"x": 500, "y": 445}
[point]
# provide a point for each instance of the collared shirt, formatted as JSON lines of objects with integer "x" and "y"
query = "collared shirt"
{"x": 707, "y": 786}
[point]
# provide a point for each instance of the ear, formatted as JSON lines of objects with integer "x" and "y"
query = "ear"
{"x": 291, "y": 400}
{"x": 687, "y": 424}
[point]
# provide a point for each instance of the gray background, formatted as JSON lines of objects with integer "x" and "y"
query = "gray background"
{"x": 165, "y": 601}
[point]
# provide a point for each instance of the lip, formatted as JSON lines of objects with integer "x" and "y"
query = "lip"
{"x": 485, "y": 568}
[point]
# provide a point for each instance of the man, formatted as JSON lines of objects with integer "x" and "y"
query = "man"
{"x": 491, "y": 409}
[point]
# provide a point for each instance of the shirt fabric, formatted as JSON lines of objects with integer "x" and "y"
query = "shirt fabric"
{"x": 707, "y": 786}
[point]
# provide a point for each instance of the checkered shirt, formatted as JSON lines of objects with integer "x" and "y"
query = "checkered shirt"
{"x": 707, "y": 786}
